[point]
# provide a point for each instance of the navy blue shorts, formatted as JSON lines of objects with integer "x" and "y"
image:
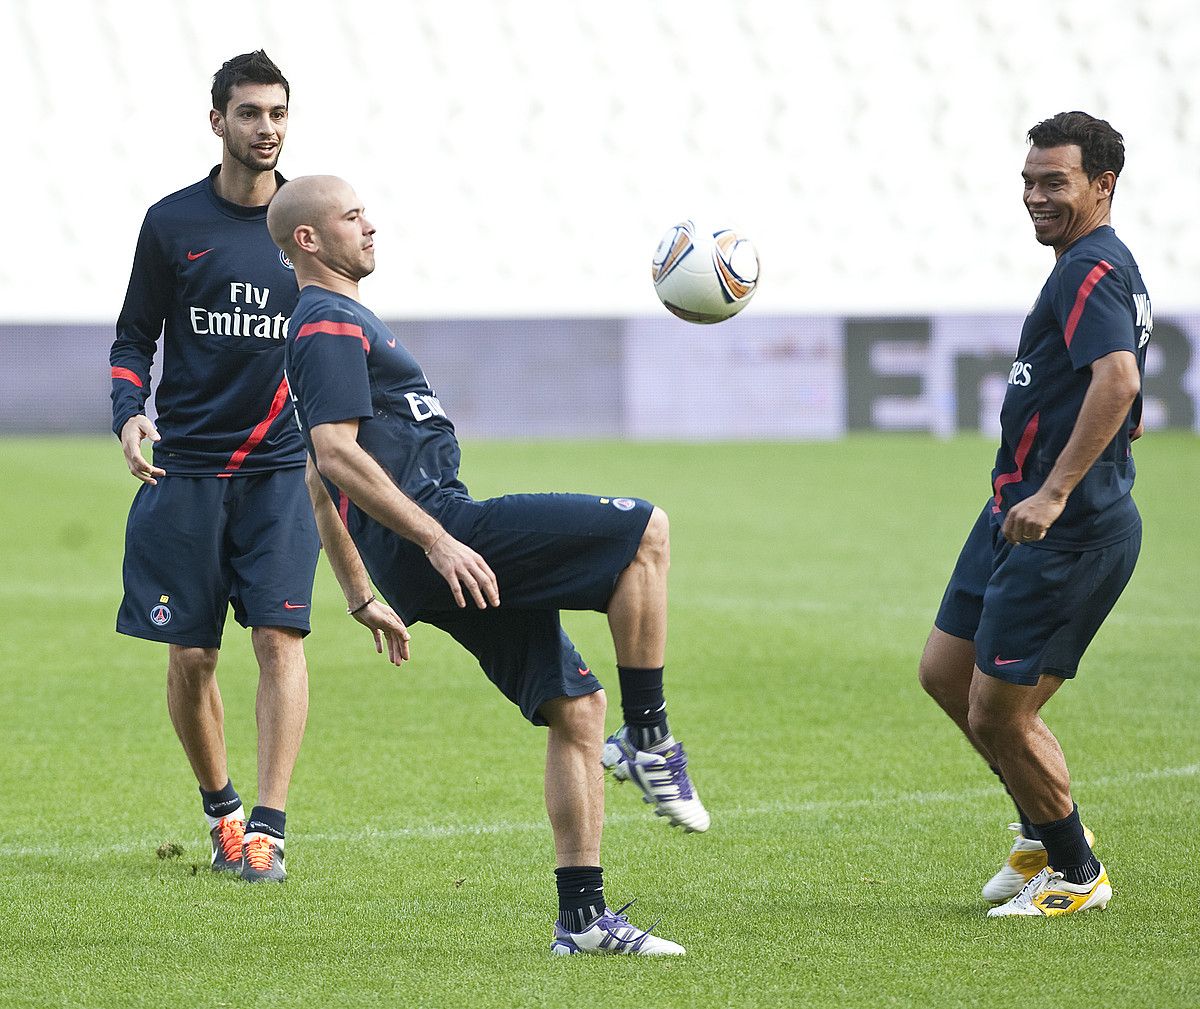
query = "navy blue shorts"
{"x": 193, "y": 545}
{"x": 1031, "y": 610}
{"x": 549, "y": 552}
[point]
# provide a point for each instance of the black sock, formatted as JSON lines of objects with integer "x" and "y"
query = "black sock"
{"x": 580, "y": 896}
{"x": 643, "y": 706}
{"x": 220, "y": 803}
{"x": 1067, "y": 849}
{"x": 1028, "y": 830}
{"x": 265, "y": 820}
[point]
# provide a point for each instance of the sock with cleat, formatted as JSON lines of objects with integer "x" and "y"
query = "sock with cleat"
{"x": 644, "y": 708}
{"x": 1028, "y": 830}
{"x": 1067, "y": 849}
{"x": 265, "y": 820}
{"x": 580, "y": 896}
{"x": 220, "y": 804}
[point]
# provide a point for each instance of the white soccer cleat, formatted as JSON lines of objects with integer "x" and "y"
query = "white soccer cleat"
{"x": 662, "y": 777}
{"x": 1025, "y": 860}
{"x": 612, "y": 935}
{"x": 1048, "y": 894}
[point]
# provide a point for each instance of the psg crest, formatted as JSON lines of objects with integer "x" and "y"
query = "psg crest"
{"x": 285, "y": 261}
{"x": 160, "y": 615}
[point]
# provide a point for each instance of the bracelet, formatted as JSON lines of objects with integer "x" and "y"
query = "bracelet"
{"x": 435, "y": 542}
{"x": 361, "y": 606}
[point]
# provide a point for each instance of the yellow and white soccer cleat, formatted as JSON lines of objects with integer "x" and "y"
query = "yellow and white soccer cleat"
{"x": 1025, "y": 860}
{"x": 1048, "y": 894}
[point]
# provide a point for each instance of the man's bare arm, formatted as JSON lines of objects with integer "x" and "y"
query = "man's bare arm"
{"x": 1115, "y": 384}
{"x": 384, "y": 623}
{"x": 342, "y": 460}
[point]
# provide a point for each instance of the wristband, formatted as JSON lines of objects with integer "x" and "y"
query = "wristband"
{"x": 361, "y": 606}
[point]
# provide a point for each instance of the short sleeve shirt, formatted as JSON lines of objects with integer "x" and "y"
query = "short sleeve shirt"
{"x": 343, "y": 363}
{"x": 1093, "y": 304}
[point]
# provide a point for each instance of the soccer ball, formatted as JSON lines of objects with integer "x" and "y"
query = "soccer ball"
{"x": 704, "y": 276}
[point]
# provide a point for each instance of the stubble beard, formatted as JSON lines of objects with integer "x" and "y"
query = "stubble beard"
{"x": 248, "y": 160}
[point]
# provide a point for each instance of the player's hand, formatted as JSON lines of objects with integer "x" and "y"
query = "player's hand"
{"x": 133, "y": 433}
{"x": 463, "y": 569}
{"x": 385, "y": 625}
{"x": 1028, "y": 521}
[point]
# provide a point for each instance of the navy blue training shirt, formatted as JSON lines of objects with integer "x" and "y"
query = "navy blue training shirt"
{"x": 1094, "y": 303}
{"x": 207, "y": 276}
{"x": 343, "y": 363}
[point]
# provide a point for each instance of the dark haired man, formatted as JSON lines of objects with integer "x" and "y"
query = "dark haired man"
{"x": 1057, "y": 542}
{"x": 388, "y": 456}
{"x": 222, "y": 515}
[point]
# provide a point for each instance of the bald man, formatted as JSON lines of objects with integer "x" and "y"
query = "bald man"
{"x": 391, "y": 510}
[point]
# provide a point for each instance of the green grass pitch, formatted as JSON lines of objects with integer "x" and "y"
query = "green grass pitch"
{"x": 852, "y": 827}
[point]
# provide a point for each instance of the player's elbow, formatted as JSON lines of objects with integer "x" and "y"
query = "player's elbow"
{"x": 331, "y": 454}
{"x": 312, "y": 480}
{"x": 1120, "y": 376}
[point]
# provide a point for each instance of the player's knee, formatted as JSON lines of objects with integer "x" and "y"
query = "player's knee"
{"x": 989, "y": 726}
{"x": 655, "y": 545}
{"x": 946, "y": 667}
{"x": 191, "y": 665}
{"x": 932, "y": 677}
{"x": 580, "y": 718}
{"x": 279, "y": 650}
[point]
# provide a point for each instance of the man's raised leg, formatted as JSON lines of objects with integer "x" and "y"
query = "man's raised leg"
{"x": 643, "y": 749}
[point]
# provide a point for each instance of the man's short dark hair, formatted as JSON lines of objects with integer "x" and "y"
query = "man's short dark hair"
{"x": 1103, "y": 148}
{"x": 249, "y": 68}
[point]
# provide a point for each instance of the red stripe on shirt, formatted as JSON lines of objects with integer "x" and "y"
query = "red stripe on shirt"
{"x": 260, "y": 429}
{"x": 1081, "y": 297}
{"x": 335, "y": 329}
{"x": 1022, "y": 453}
{"x": 344, "y": 509}
{"x": 128, "y": 375}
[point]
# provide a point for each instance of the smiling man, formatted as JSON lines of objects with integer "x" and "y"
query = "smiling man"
{"x": 222, "y": 515}
{"x": 1057, "y": 541}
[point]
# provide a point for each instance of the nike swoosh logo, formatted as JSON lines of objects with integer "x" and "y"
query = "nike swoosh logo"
{"x": 1005, "y": 662}
{"x": 392, "y": 342}
{"x": 193, "y": 256}
{"x": 585, "y": 671}
{"x": 294, "y": 606}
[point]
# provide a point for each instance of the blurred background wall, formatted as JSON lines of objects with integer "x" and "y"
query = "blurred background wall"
{"x": 521, "y": 159}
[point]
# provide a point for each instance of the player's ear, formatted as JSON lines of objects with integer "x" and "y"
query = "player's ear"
{"x": 1106, "y": 182}
{"x": 217, "y": 122}
{"x": 305, "y": 237}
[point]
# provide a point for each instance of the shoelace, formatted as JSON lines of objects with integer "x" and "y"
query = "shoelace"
{"x": 640, "y": 936}
{"x": 229, "y": 836}
{"x": 259, "y": 852}
{"x": 676, "y": 767}
{"x": 1038, "y": 884}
